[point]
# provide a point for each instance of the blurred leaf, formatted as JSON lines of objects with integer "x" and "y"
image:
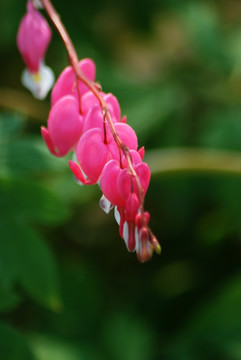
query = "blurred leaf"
{"x": 214, "y": 329}
{"x": 27, "y": 260}
{"x": 221, "y": 129}
{"x": 205, "y": 32}
{"x": 10, "y": 125}
{"x": 47, "y": 348}
{"x": 24, "y": 257}
{"x": 26, "y": 155}
{"x": 8, "y": 298}
{"x": 10, "y": 11}
{"x": 152, "y": 110}
{"x": 128, "y": 338}
{"x": 175, "y": 278}
{"x": 13, "y": 345}
{"x": 214, "y": 226}
{"x": 31, "y": 202}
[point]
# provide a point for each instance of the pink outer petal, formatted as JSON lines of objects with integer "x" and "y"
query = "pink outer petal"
{"x": 66, "y": 83}
{"x": 141, "y": 152}
{"x": 136, "y": 159}
{"x": 127, "y": 135}
{"x": 93, "y": 119}
{"x": 87, "y": 66}
{"x": 113, "y": 106}
{"x": 78, "y": 173}
{"x": 48, "y": 141}
{"x": 108, "y": 182}
{"x": 144, "y": 175}
{"x": 92, "y": 153}
{"x": 132, "y": 207}
{"x": 124, "y": 119}
{"x": 126, "y": 183}
{"x": 88, "y": 100}
{"x": 65, "y": 124}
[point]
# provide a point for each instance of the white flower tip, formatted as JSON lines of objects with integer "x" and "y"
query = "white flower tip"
{"x": 126, "y": 234}
{"x": 37, "y": 4}
{"x": 117, "y": 215}
{"x": 105, "y": 204}
{"x": 40, "y": 83}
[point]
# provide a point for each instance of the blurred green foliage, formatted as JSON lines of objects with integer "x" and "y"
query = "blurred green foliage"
{"x": 69, "y": 290}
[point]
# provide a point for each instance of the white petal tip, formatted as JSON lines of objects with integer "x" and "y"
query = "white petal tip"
{"x": 38, "y": 4}
{"x": 117, "y": 215}
{"x": 105, "y": 204}
{"x": 126, "y": 234}
{"x": 39, "y": 84}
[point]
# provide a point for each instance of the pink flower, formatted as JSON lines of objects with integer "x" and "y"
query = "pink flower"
{"x": 120, "y": 188}
{"x": 117, "y": 183}
{"x": 64, "y": 126}
{"x": 33, "y": 38}
{"x": 89, "y": 100}
{"x": 67, "y": 83}
{"x": 95, "y": 148}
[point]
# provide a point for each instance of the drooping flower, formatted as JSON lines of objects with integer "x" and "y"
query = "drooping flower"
{"x": 87, "y": 121}
{"x": 89, "y": 101}
{"x": 64, "y": 126}
{"x": 67, "y": 84}
{"x": 120, "y": 188}
{"x": 96, "y": 147}
{"x": 33, "y": 37}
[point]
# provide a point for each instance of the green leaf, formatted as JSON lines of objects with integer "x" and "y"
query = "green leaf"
{"x": 204, "y": 30}
{"x": 221, "y": 129}
{"x": 23, "y": 156}
{"x": 27, "y": 260}
{"x": 214, "y": 329}
{"x": 28, "y": 156}
{"x": 13, "y": 346}
{"x": 47, "y": 348}
{"x": 152, "y": 110}
{"x": 31, "y": 202}
{"x": 8, "y": 298}
{"x": 128, "y": 338}
{"x": 10, "y": 126}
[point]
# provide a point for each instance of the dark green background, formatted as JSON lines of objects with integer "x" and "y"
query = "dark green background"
{"x": 69, "y": 290}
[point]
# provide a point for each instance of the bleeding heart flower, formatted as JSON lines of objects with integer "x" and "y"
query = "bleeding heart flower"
{"x": 66, "y": 83}
{"x": 33, "y": 38}
{"x": 64, "y": 126}
{"x": 96, "y": 147}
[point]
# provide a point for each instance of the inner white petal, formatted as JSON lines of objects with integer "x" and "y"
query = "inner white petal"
{"x": 126, "y": 233}
{"x": 40, "y": 83}
{"x": 137, "y": 239}
{"x": 105, "y": 204}
{"x": 37, "y": 4}
{"x": 117, "y": 215}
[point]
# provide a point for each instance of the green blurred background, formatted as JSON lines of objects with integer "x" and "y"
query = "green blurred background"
{"x": 69, "y": 290}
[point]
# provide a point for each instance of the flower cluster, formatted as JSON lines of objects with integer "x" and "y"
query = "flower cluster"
{"x": 86, "y": 121}
{"x": 34, "y": 35}
{"x": 78, "y": 123}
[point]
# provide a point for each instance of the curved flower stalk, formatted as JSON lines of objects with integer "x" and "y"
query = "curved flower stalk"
{"x": 33, "y": 37}
{"x": 85, "y": 120}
